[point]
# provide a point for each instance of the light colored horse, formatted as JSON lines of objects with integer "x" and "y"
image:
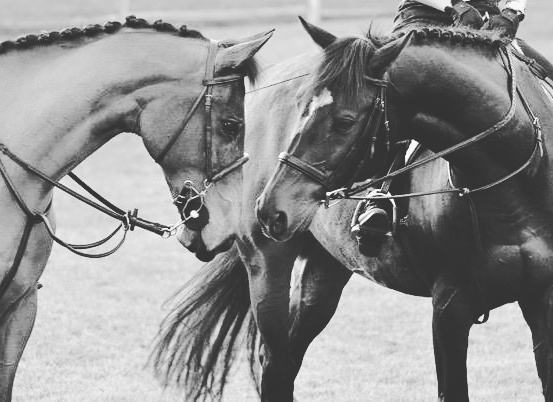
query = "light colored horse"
{"x": 66, "y": 94}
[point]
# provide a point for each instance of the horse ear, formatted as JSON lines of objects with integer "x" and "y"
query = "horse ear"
{"x": 232, "y": 42}
{"x": 386, "y": 55}
{"x": 232, "y": 57}
{"x": 319, "y": 35}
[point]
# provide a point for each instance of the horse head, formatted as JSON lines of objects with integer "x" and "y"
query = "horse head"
{"x": 203, "y": 151}
{"x": 340, "y": 126}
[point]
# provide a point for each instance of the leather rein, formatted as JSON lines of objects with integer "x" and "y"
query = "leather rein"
{"x": 129, "y": 220}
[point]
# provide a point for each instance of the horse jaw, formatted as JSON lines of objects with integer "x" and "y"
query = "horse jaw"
{"x": 194, "y": 243}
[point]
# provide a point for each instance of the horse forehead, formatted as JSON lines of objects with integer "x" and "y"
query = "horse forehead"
{"x": 323, "y": 98}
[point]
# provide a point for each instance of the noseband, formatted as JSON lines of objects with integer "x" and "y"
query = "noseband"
{"x": 365, "y": 141}
{"x": 190, "y": 201}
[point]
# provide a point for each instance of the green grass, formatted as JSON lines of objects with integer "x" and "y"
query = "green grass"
{"x": 97, "y": 319}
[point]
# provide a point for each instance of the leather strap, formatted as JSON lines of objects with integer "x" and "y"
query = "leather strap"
{"x": 304, "y": 168}
{"x": 208, "y": 129}
{"x": 185, "y": 122}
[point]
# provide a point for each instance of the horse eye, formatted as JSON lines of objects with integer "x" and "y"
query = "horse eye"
{"x": 231, "y": 128}
{"x": 342, "y": 125}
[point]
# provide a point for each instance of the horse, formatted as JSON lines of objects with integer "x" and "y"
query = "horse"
{"x": 65, "y": 94}
{"x": 504, "y": 241}
{"x": 477, "y": 230}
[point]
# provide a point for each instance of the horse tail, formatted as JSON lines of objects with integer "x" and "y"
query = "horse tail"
{"x": 209, "y": 319}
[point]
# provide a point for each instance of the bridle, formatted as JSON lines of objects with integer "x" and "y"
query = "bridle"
{"x": 190, "y": 200}
{"x": 363, "y": 147}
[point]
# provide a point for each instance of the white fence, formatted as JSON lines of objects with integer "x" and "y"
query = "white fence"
{"x": 313, "y": 9}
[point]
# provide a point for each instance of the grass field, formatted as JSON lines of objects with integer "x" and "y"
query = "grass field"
{"x": 97, "y": 319}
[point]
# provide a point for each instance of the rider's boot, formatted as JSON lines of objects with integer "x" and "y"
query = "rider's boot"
{"x": 372, "y": 224}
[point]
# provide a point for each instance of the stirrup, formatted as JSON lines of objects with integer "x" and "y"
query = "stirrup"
{"x": 372, "y": 197}
{"x": 372, "y": 225}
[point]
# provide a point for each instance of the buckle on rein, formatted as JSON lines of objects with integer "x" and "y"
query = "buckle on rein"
{"x": 335, "y": 195}
{"x": 185, "y": 201}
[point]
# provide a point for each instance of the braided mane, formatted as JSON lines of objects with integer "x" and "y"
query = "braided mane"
{"x": 388, "y": 48}
{"x": 458, "y": 36}
{"x": 249, "y": 68}
{"x": 90, "y": 31}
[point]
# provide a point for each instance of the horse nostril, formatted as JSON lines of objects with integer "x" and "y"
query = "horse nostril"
{"x": 278, "y": 225}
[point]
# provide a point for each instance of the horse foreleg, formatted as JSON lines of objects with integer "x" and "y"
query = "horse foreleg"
{"x": 538, "y": 313}
{"x": 451, "y": 322}
{"x": 317, "y": 288}
{"x": 269, "y": 266}
{"x": 15, "y": 328}
{"x": 18, "y": 301}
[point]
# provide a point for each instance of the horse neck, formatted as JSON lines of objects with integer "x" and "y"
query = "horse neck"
{"x": 449, "y": 94}
{"x": 60, "y": 104}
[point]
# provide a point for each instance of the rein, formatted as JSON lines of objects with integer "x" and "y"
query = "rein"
{"x": 278, "y": 83}
{"x": 350, "y": 193}
{"x": 129, "y": 220}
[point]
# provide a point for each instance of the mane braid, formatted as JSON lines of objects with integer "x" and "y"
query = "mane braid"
{"x": 389, "y": 47}
{"x": 456, "y": 36}
{"x": 90, "y": 31}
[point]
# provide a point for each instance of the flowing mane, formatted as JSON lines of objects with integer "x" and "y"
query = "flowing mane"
{"x": 93, "y": 31}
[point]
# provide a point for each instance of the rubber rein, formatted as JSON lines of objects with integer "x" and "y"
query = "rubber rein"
{"x": 190, "y": 201}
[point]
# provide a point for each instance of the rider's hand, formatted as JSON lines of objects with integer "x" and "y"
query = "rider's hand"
{"x": 464, "y": 14}
{"x": 506, "y": 23}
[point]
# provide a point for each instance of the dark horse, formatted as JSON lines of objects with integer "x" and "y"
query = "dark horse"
{"x": 65, "y": 94}
{"x": 444, "y": 87}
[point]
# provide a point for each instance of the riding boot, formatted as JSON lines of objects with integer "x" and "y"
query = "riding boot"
{"x": 372, "y": 224}
{"x": 465, "y": 15}
{"x": 506, "y": 23}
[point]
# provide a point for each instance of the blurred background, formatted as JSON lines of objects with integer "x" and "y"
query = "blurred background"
{"x": 97, "y": 319}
